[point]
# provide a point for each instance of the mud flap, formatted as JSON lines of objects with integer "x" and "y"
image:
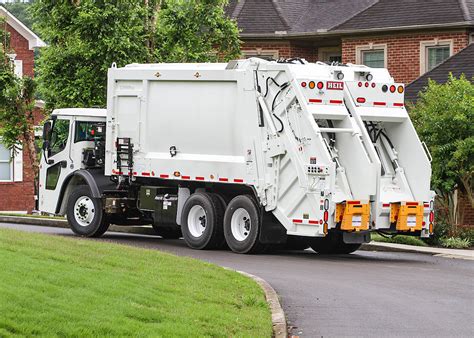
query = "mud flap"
{"x": 356, "y": 237}
{"x": 271, "y": 232}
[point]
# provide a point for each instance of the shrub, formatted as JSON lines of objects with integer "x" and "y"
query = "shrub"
{"x": 400, "y": 239}
{"x": 455, "y": 243}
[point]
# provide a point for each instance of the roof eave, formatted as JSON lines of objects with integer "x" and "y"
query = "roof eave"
{"x": 344, "y": 32}
{"x": 34, "y": 40}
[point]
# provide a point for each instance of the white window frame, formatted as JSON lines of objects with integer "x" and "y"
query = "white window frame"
{"x": 259, "y": 52}
{"x": 424, "y": 45}
{"x": 18, "y": 66}
{"x": 371, "y": 47}
{"x": 324, "y": 53}
{"x": 10, "y": 162}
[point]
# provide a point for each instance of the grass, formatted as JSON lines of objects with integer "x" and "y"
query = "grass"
{"x": 55, "y": 286}
{"x": 33, "y": 216}
{"x": 400, "y": 239}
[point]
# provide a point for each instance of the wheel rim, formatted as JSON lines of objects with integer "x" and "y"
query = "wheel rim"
{"x": 240, "y": 224}
{"x": 84, "y": 211}
{"x": 197, "y": 220}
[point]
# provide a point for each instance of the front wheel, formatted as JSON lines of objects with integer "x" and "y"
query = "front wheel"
{"x": 242, "y": 225}
{"x": 85, "y": 214}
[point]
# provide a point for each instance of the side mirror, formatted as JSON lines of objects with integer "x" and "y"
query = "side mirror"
{"x": 46, "y": 132}
{"x": 45, "y": 145}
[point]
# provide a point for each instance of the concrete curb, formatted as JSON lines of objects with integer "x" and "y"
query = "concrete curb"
{"x": 60, "y": 223}
{"x": 439, "y": 252}
{"x": 280, "y": 329}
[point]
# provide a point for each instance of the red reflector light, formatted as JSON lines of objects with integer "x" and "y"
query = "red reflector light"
{"x": 360, "y": 100}
{"x": 313, "y": 222}
{"x": 393, "y": 89}
{"x": 367, "y": 85}
{"x": 238, "y": 180}
{"x": 320, "y": 85}
{"x": 431, "y": 217}
{"x": 164, "y": 176}
{"x": 186, "y": 177}
{"x": 386, "y": 205}
{"x": 373, "y": 85}
{"x": 303, "y": 84}
{"x": 360, "y": 84}
{"x": 315, "y": 101}
{"x": 426, "y": 205}
{"x": 297, "y": 221}
{"x": 353, "y": 202}
{"x": 398, "y": 104}
{"x": 326, "y": 216}
{"x": 412, "y": 203}
{"x": 199, "y": 178}
{"x": 380, "y": 103}
{"x": 335, "y": 101}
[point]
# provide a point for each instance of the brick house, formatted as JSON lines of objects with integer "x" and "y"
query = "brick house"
{"x": 17, "y": 193}
{"x": 406, "y": 36}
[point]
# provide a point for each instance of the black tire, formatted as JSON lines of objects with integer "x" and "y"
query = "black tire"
{"x": 213, "y": 236}
{"x": 296, "y": 243}
{"x": 251, "y": 244}
{"x": 172, "y": 232}
{"x": 332, "y": 244}
{"x": 96, "y": 226}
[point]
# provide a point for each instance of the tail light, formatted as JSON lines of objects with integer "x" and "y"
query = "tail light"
{"x": 303, "y": 84}
{"x": 393, "y": 89}
{"x": 320, "y": 85}
{"x": 360, "y": 100}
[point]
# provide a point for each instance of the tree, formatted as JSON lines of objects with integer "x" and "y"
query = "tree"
{"x": 195, "y": 31}
{"x": 444, "y": 116}
{"x": 16, "y": 106}
{"x": 86, "y": 36}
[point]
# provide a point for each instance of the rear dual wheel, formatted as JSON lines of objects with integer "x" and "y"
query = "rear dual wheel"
{"x": 202, "y": 221}
{"x": 242, "y": 225}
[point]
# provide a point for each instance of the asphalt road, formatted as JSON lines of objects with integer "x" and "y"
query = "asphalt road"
{"x": 366, "y": 294}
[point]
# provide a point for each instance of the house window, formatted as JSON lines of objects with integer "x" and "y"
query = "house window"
{"x": 371, "y": 55}
{"x": 373, "y": 58}
{"x": 436, "y": 55}
{"x": 261, "y": 53}
{"x": 6, "y": 165}
{"x": 330, "y": 54}
{"x": 432, "y": 53}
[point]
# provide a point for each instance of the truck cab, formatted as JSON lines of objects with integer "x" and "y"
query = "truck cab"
{"x": 73, "y": 140}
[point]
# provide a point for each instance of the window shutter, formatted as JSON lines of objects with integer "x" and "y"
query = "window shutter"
{"x": 18, "y": 167}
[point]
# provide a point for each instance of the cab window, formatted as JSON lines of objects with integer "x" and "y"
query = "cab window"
{"x": 59, "y": 136}
{"x": 89, "y": 131}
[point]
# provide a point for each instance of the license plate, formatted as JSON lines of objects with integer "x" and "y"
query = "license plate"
{"x": 357, "y": 221}
{"x": 411, "y": 221}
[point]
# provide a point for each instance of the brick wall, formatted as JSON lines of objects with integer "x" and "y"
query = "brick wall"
{"x": 286, "y": 49}
{"x": 403, "y": 50}
{"x": 20, "y": 45}
{"x": 19, "y": 196}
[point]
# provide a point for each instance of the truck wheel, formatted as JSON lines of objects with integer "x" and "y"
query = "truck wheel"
{"x": 202, "y": 221}
{"x": 168, "y": 232}
{"x": 242, "y": 225}
{"x": 85, "y": 214}
{"x": 332, "y": 244}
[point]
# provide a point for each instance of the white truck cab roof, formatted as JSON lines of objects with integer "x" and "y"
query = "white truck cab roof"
{"x": 89, "y": 112}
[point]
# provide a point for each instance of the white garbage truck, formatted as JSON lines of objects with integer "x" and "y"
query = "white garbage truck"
{"x": 247, "y": 154}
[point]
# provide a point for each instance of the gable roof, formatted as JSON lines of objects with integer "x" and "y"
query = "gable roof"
{"x": 460, "y": 63}
{"x": 292, "y": 16}
{"x": 270, "y": 18}
{"x": 33, "y": 40}
{"x": 407, "y": 13}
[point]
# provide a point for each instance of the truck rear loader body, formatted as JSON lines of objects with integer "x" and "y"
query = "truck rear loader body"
{"x": 249, "y": 153}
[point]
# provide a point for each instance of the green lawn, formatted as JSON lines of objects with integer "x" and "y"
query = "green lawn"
{"x": 55, "y": 286}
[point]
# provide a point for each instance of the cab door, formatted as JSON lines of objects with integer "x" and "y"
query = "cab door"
{"x": 55, "y": 164}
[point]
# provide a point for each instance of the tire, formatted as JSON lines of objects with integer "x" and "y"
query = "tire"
{"x": 201, "y": 222}
{"x": 332, "y": 244}
{"x": 85, "y": 214}
{"x": 296, "y": 243}
{"x": 242, "y": 225}
{"x": 168, "y": 232}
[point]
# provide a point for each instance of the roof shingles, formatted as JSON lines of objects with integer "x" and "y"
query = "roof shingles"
{"x": 460, "y": 63}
